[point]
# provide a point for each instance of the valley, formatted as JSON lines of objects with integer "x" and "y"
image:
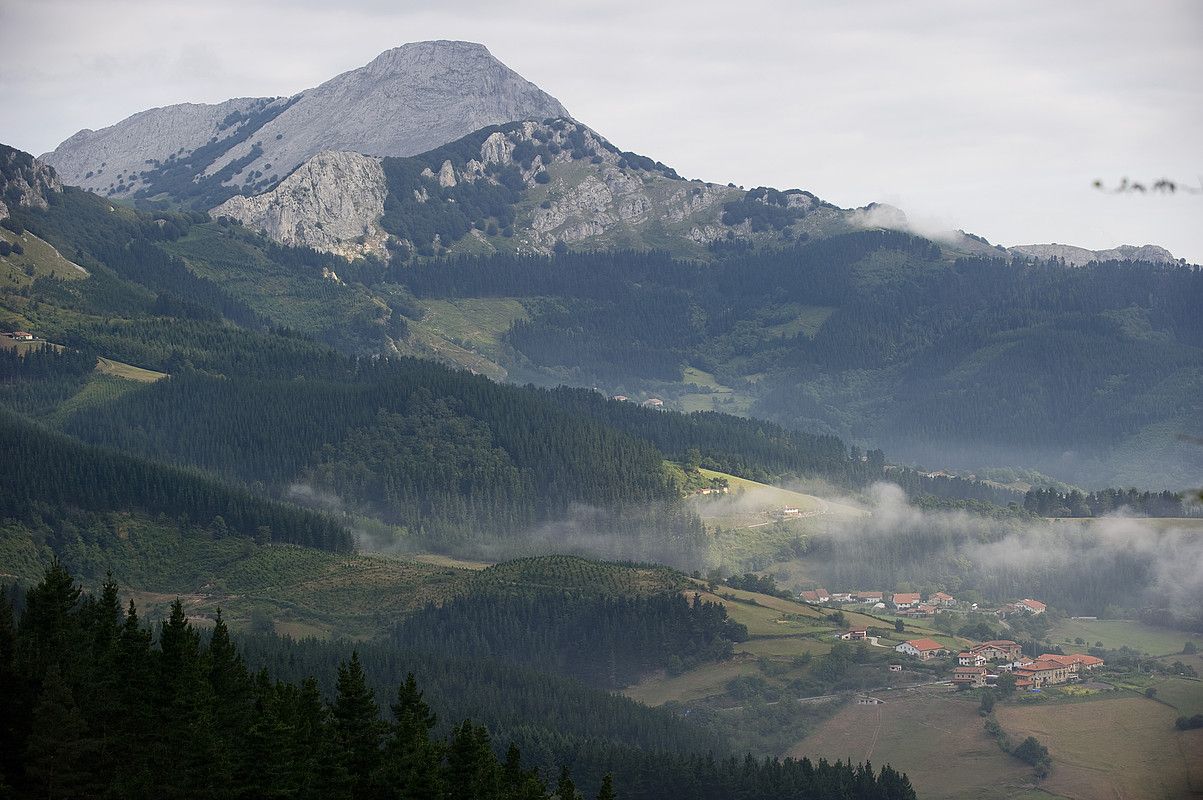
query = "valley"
{"x": 406, "y": 439}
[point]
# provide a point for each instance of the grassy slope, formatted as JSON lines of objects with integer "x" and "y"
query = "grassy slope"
{"x": 1117, "y": 633}
{"x": 746, "y": 523}
{"x": 39, "y": 257}
{"x": 301, "y": 589}
{"x": 939, "y": 741}
{"x": 108, "y": 366}
{"x": 288, "y": 296}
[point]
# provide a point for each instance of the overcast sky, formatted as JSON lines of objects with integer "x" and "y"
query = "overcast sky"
{"x": 994, "y": 119}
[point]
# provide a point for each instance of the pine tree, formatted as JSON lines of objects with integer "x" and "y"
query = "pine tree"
{"x": 565, "y": 788}
{"x": 48, "y": 626}
{"x": 410, "y": 764}
{"x": 11, "y": 707}
{"x": 58, "y": 752}
{"x": 316, "y": 753}
{"x": 357, "y": 725}
{"x": 607, "y": 788}
{"x": 471, "y": 771}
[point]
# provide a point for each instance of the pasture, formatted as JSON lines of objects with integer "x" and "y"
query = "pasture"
{"x": 930, "y": 733}
{"x": 1119, "y": 747}
{"x": 1117, "y": 633}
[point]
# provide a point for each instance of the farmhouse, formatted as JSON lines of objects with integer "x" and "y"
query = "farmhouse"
{"x": 998, "y": 650}
{"x": 905, "y": 599}
{"x": 895, "y": 668}
{"x": 622, "y": 398}
{"x": 654, "y": 402}
{"x": 856, "y": 634}
{"x": 971, "y": 659}
{"x": 21, "y": 336}
{"x": 1076, "y": 663}
{"x": 924, "y": 649}
{"x": 969, "y": 676}
{"x": 942, "y": 599}
{"x": 1031, "y": 606}
{"x": 1041, "y": 672}
{"x": 869, "y": 701}
{"x": 842, "y": 597}
{"x": 869, "y": 597}
{"x": 815, "y": 596}
{"x": 791, "y": 511}
{"x": 926, "y": 610}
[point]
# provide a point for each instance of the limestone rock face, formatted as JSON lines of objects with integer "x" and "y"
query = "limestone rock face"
{"x": 332, "y": 203}
{"x": 1080, "y": 256}
{"x": 24, "y": 180}
{"x": 408, "y": 100}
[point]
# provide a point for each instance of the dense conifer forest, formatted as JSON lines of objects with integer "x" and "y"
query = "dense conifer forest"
{"x": 1005, "y": 357}
{"x": 86, "y": 682}
{"x": 604, "y": 641}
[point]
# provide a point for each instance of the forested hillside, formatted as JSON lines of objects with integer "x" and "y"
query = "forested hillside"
{"x": 85, "y": 683}
{"x": 446, "y": 460}
{"x": 1086, "y": 373}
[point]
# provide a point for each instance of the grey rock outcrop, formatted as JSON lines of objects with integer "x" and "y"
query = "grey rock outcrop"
{"x": 406, "y": 101}
{"x": 1080, "y": 256}
{"x": 333, "y": 202}
{"x": 24, "y": 180}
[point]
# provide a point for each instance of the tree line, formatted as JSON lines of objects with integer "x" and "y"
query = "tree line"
{"x": 1074, "y": 503}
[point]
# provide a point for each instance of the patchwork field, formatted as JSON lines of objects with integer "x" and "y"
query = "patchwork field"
{"x": 1123, "y": 747}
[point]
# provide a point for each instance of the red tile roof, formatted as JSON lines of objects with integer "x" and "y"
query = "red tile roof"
{"x": 926, "y": 644}
{"x": 906, "y": 597}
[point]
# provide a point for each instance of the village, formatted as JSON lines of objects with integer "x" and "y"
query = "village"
{"x": 981, "y": 664}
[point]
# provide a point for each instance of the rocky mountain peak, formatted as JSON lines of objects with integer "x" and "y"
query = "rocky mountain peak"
{"x": 406, "y": 101}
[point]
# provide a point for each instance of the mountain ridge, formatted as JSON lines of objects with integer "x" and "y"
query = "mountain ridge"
{"x": 405, "y": 101}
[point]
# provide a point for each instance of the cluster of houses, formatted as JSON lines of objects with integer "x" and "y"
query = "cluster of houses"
{"x": 19, "y": 336}
{"x": 905, "y": 604}
{"x": 912, "y": 604}
{"x": 981, "y": 664}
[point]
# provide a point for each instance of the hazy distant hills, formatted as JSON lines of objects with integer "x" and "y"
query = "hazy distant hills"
{"x": 1077, "y": 256}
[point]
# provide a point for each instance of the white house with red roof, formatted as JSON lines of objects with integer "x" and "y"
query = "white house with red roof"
{"x": 1041, "y": 672}
{"x": 1031, "y": 606}
{"x": 1077, "y": 663}
{"x": 905, "y": 599}
{"x": 923, "y": 649}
